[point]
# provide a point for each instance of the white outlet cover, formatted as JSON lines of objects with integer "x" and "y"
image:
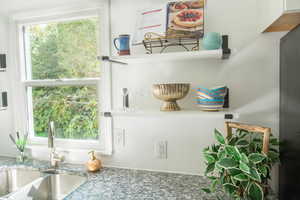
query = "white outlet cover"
{"x": 161, "y": 150}
{"x": 120, "y": 137}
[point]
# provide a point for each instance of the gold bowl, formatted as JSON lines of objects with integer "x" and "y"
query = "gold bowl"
{"x": 170, "y": 93}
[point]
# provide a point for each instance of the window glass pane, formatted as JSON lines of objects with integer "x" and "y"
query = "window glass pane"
{"x": 63, "y": 49}
{"x": 73, "y": 109}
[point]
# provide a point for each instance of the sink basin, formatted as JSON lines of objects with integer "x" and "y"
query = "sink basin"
{"x": 55, "y": 187}
{"x": 12, "y": 180}
{"x": 36, "y": 185}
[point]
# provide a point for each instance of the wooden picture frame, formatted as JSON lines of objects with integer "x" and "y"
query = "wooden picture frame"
{"x": 251, "y": 128}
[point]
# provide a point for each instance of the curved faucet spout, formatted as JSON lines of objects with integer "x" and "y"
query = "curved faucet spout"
{"x": 51, "y": 134}
{"x": 55, "y": 158}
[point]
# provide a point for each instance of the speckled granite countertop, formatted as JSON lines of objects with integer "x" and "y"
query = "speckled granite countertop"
{"x": 125, "y": 184}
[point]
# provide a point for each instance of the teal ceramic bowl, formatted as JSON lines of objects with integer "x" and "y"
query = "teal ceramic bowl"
{"x": 211, "y": 99}
{"x": 212, "y": 41}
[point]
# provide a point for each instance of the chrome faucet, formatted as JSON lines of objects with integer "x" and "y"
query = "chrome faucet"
{"x": 55, "y": 158}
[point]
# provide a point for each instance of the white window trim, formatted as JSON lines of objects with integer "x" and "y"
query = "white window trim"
{"x": 21, "y": 121}
{"x": 62, "y": 82}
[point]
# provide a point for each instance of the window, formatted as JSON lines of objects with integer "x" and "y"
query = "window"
{"x": 63, "y": 81}
{"x": 63, "y": 50}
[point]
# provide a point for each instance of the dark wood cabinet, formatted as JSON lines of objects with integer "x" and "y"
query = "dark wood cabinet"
{"x": 290, "y": 115}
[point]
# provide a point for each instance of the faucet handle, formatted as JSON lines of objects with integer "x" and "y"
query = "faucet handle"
{"x": 56, "y": 158}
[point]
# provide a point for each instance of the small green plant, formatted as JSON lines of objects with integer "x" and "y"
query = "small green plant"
{"x": 19, "y": 141}
{"x": 238, "y": 165}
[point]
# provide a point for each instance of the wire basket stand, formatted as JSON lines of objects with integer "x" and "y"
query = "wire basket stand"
{"x": 154, "y": 40}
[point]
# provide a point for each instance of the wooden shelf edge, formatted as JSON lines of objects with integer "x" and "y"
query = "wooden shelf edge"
{"x": 286, "y": 22}
{"x": 156, "y": 113}
{"x": 149, "y": 58}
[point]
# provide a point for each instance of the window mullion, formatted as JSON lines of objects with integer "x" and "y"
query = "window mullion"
{"x": 27, "y": 54}
{"x": 61, "y": 82}
{"x": 30, "y": 111}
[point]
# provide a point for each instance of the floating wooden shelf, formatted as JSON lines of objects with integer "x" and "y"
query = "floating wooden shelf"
{"x": 183, "y": 113}
{"x": 223, "y": 53}
{"x": 285, "y": 22}
{"x": 155, "y": 58}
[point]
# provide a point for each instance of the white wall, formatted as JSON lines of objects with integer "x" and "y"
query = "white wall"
{"x": 252, "y": 76}
{"x": 5, "y": 115}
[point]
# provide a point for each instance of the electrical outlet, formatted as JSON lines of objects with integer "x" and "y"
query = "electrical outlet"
{"x": 161, "y": 150}
{"x": 120, "y": 137}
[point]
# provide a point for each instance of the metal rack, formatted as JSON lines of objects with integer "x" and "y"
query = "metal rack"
{"x": 152, "y": 41}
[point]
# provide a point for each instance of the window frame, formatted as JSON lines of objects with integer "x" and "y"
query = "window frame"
{"x": 23, "y": 121}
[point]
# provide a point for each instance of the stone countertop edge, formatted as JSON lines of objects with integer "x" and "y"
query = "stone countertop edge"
{"x": 127, "y": 184}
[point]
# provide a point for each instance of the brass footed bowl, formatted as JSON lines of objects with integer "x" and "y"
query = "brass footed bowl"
{"x": 170, "y": 93}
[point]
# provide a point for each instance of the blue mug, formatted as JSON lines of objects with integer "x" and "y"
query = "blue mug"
{"x": 124, "y": 45}
{"x": 212, "y": 41}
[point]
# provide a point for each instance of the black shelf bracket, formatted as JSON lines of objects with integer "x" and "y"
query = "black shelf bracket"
{"x": 226, "y": 98}
{"x": 226, "y": 105}
{"x": 2, "y": 62}
{"x": 107, "y": 114}
{"x": 229, "y": 116}
{"x": 107, "y": 59}
{"x": 225, "y": 47}
{"x": 3, "y": 100}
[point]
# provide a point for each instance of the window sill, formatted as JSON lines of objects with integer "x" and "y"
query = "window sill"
{"x": 67, "y": 143}
{"x": 74, "y": 156}
{"x": 44, "y": 148}
{"x": 59, "y": 148}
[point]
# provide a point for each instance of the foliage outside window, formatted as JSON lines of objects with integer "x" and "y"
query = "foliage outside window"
{"x": 60, "y": 51}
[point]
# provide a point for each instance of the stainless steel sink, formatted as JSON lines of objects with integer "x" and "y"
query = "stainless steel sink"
{"x": 36, "y": 185}
{"x": 12, "y": 180}
{"x": 56, "y": 187}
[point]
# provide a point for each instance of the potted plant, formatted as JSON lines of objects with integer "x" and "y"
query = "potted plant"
{"x": 239, "y": 165}
{"x": 20, "y": 142}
